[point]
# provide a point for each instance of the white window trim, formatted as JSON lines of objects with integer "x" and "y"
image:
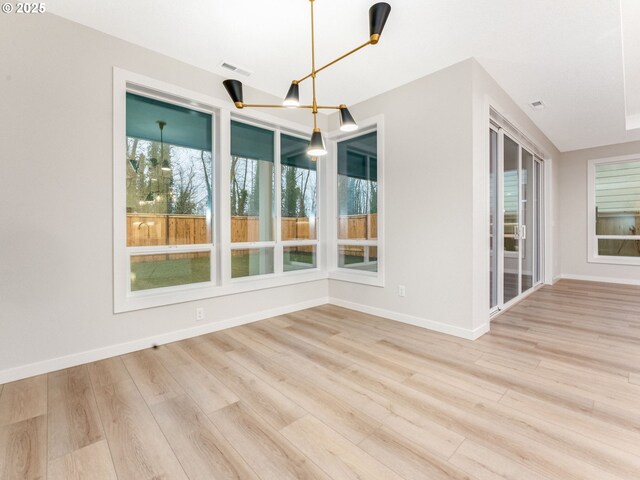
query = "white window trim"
{"x": 592, "y": 240}
{"x": 221, "y": 283}
{"x": 345, "y": 274}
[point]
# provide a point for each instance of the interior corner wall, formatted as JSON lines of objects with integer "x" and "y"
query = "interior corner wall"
{"x": 427, "y": 205}
{"x": 56, "y": 251}
{"x": 574, "y": 214}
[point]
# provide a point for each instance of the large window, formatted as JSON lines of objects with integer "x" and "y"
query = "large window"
{"x": 207, "y": 202}
{"x": 169, "y": 194}
{"x": 614, "y": 210}
{"x": 358, "y": 203}
{"x": 256, "y": 247}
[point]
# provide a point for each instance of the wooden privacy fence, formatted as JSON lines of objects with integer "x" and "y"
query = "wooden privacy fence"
{"x": 358, "y": 227}
{"x": 146, "y": 229}
{"x": 152, "y": 229}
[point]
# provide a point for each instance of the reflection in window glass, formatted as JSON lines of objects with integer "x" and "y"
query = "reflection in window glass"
{"x": 618, "y": 208}
{"x": 169, "y": 184}
{"x": 251, "y": 261}
{"x": 168, "y": 270}
{"x": 252, "y": 184}
{"x": 358, "y": 257}
{"x": 358, "y": 188}
{"x": 618, "y": 248}
{"x": 300, "y": 257}
{"x": 299, "y": 196}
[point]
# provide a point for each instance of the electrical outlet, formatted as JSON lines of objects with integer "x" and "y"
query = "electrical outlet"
{"x": 402, "y": 292}
{"x": 199, "y": 314}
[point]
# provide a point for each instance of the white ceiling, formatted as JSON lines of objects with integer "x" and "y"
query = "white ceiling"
{"x": 567, "y": 53}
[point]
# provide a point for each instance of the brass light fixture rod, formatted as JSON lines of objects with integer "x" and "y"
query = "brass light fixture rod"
{"x": 266, "y": 105}
{"x": 313, "y": 70}
{"x": 370, "y": 42}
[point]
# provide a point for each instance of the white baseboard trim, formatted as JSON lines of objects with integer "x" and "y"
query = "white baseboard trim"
{"x": 593, "y": 278}
{"x": 46, "y": 366}
{"x": 412, "y": 320}
{"x": 555, "y": 279}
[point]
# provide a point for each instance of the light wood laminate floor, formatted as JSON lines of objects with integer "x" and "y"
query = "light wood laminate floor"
{"x": 553, "y": 392}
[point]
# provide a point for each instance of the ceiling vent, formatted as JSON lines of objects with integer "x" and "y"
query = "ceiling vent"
{"x": 537, "y": 105}
{"x": 235, "y": 69}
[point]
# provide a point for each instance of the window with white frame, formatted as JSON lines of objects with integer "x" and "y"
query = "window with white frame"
{"x": 168, "y": 194}
{"x": 207, "y": 203}
{"x": 614, "y": 210}
{"x": 357, "y": 202}
{"x": 259, "y": 246}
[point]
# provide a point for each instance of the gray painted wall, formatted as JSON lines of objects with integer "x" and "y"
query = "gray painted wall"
{"x": 573, "y": 215}
{"x": 56, "y": 290}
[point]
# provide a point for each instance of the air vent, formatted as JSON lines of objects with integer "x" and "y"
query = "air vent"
{"x": 235, "y": 69}
{"x": 537, "y": 105}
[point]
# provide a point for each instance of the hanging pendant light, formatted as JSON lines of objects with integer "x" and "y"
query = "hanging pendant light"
{"x": 378, "y": 15}
{"x": 347, "y": 123}
{"x": 316, "y": 145}
{"x": 293, "y": 96}
{"x": 234, "y": 89}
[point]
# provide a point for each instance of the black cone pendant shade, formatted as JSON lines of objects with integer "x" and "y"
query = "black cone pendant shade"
{"x": 234, "y": 89}
{"x": 378, "y": 15}
{"x": 316, "y": 145}
{"x": 347, "y": 123}
{"x": 293, "y": 96}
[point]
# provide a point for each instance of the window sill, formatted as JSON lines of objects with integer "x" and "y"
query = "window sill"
{"x": 364, "y": 278}
{"x": 153, "y": 298}
{"x": 633, "y": 261}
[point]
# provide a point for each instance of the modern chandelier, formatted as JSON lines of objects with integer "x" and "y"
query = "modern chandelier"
{"x": 378, "y": 15}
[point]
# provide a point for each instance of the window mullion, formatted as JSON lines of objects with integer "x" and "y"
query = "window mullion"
{"x": 278, "y": 252}
{"x": 224, "y": 204}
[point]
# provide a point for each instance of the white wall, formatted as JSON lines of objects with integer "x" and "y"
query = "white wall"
{"x": 428, "y": 199}
{"x": 487, "y": 93}
{"x": 573, "y": 217}
{"x": 437, "y": 197}
{"x": 56, "y": 281}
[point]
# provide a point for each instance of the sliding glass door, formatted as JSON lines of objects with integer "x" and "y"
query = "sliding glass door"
{"x": 516, "y": 219}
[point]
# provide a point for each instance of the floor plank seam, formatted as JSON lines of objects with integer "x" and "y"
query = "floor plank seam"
{"x": 106, "y": 438}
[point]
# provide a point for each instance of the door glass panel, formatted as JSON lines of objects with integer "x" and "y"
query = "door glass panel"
{"x": 511, "y": 219}
{"x": 527, "y": 210}
{"x": 537, "y": 267}
{"x": 493, "y": 226}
